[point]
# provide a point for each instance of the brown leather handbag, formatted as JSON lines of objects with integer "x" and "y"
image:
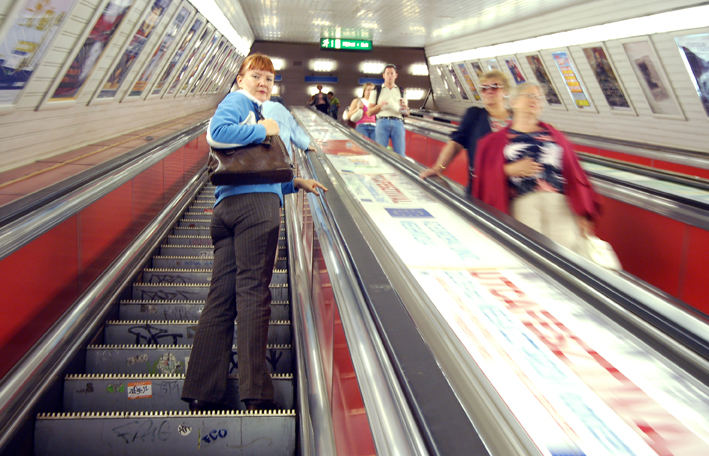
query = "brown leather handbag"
{"x": 263, "y": 163}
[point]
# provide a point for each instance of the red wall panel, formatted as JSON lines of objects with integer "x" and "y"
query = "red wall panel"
{"x": 695, "y": 269}
{"x": 43, "y": 278}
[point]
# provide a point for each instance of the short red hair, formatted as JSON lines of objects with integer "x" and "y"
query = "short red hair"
{"x": 257, "y": 62}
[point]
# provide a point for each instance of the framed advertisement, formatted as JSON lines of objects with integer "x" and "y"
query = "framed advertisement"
{"x": 202, "y": 42}
{"x": 91, "y": 50}
{"x": 695, "y": 53}
{"x": 217, "y": 74}
{"x": 199, "y": 61}
{"x": 514, "y": 69}
{"x": 208, "y": 66}
{"x": 491, "y": 64}
{"x": 469, "y": 83}
{"x": 540, "y": 73}
{"x": 188, "y": 40}
{"x": 572, "y": 81}
{"x": 174, "y": 30}
{"x": 24, "y": 42}
{"x": 456, "y": 82}
{"x": 652, "y": 78}
{"x": 607, "y": 78}
{"x": 447, "y": 85}
{"x": 140, "y": 38}
{"x": 477, "y": 68}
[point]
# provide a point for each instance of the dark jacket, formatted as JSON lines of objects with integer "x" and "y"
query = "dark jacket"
{"x": 474, "y": 126}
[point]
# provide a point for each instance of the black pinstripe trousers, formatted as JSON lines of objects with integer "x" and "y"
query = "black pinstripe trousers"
{"x": 244, "y": 231}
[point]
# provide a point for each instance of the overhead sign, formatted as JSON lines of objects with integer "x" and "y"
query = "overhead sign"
{"x": 346, "y": 44}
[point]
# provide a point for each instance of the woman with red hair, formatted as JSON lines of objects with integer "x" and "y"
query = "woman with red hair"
{"x": 244, "y": 230}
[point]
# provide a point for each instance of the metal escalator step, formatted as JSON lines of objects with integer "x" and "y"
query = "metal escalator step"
{"x": 168, "y": 359}
{"x": 137, "y": 309}
{"x": 178, "y": 239}
{"x": 189, "y": 231}
{"x": 263, "y": 433}
{"x": 183, "y": 261}
{"x": 192, "y": 291}
{"x": 133, "y": 393}
{"x": 195, "y": 275}
{"x": 196, "y": 250}
{"x": 160, "y": 332}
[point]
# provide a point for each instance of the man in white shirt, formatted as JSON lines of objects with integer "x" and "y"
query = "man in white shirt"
{"x": 389, "y": 104}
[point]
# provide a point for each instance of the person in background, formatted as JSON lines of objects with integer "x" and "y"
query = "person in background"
{"x": 244, "y": 230}
{"x": 359, "y": 113}
{"x": 476, "y": 123}
{"x": 334, "y": 108}
{"x": 289, "y": 130}
{"x": 530, "y": 171}
{"x": 319, "y": 100}
{"x": 390, "y": 109}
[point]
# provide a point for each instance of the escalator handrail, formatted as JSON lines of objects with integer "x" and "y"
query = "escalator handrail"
{"x": 23, "y": 386}
{"x": 19, "y": 232}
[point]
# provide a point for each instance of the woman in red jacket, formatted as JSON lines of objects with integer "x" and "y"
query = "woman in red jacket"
{"x": 529, "y": 171}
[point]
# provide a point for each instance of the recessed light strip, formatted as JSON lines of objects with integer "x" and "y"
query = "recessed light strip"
{"x": 657, "y": 23}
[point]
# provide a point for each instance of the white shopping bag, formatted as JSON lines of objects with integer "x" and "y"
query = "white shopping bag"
{"x": 600, "y": 252}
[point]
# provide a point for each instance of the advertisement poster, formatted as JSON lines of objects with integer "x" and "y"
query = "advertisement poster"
{"x": 651, "y": 77}
{"x": 188, "y": 62}
{"x": 208, "y": 67}
{"x": 610, "y": 86}
{"x": 92, "y": 49}
{"x": 217, "y": 76}
{"x": 159, "y": 53}
{"x": 695, "y": 52}
{"x": 492, "y": 64}
{"x": 186, "y": 41}
{"x": 535, "y": 62}
{"x": 469, "y": 81}
{"x": 200, "y": 59}
{"x": 515, "y": 70}
{"x": 445, "y": 81}
{"x": 457, "y": 83}
{"x": 573, "y": 84}
{"x": 477, "y": 68}
{"x": 25, "y": 42}
{"x": 137, "y": 43}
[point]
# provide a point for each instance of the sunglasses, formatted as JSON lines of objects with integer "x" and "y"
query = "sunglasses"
{"x": 493, "y": 87}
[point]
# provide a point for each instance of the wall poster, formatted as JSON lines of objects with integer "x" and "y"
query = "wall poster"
{"x": 478, "y": 69}
{"x": 513, "y": 65}
{"x": 137, "y": 43}
{"x": 25, "y": 42}
{"x": 92, "y": 49}
{"x": 695, "y": 52}
{"x": 468, "y": 80}
{"x": 652, "y": 78}
{"x": 492, "y": 64}
{"x": 573, "y": 83}
{"x": 172, "y": 32}
{"x": 442, "y": 75}
{"x": 606, "y": 77}
{"x": 540, "y": 72}
{"x": 186, "y": 41}
{"x": 457, "y": 83}
{"x": 187, "y": 63}
{"x": 208, "y": 49}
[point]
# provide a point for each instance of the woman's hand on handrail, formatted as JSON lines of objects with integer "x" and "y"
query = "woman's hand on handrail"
{"x": 308, "y": 185}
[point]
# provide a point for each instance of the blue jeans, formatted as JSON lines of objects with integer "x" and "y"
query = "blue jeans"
{"x": 366, "y": 130}
{"x": 394, "y": 129}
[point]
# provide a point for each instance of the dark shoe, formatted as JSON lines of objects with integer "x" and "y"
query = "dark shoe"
{"x": 197, "y": 405}
{"x": 259, "y": 404}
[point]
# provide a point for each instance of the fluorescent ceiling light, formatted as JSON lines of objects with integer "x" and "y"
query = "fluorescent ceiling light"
{"x": 647, "y": 25}
{"x": 278, "y": 63}
{"x": 322, "y": 65}
{"x": 372, "y": 67}
{"x": 276, "y": 90}
{"x": 418, "y": 69}
{"x": 214, "y": 14}
{"x": 414, "y": 93}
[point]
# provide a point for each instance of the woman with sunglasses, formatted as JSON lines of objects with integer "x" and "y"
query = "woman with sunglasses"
{"x": 476, "y": 123}
{"x": 530, "y": 171}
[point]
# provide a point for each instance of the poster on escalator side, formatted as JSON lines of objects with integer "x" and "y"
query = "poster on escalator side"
{"x": 572, "y": 81}
{"x": 132, "y": 52}
{"x": 695, "y": 52}
{"x": 25, "y": 42}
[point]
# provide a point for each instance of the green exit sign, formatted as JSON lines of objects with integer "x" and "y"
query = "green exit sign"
{"x": 345, "y": 44}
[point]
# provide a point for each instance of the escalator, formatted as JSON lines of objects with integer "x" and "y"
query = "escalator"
{"x": 126, "y": 399}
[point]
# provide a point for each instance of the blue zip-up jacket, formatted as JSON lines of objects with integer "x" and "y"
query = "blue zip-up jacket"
{"x": 234, "y": 124}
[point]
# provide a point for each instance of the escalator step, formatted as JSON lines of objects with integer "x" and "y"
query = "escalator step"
{"x": 201, "y": 222}
{"x": 178, "y": 239}
{"x": 206, "y": 250}
{"x": 191, "y": 291}
{"x": 168, "y": 359}
{"x": 189, "y": 231}
{"x": 157, "y": 332}
{"x": 133, "y": 393}
{"x": 185, "y": 261}
{"x": 181, "y": 310}
{"x": 263, "y": 433}
{"x": 195, "y": 275}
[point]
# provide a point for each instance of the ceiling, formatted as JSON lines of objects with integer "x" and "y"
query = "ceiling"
{"x": 399, "y": 23}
